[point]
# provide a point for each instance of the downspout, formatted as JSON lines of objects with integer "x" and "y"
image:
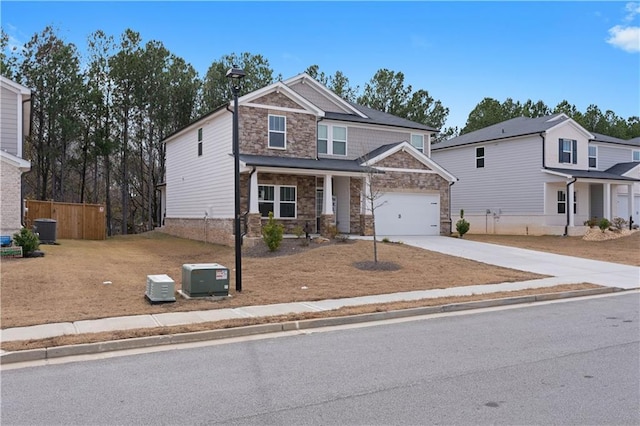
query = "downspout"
{"x": 544, "y": 165}
{"x": 568, "y": 207}
{"x": 450, "y": 219}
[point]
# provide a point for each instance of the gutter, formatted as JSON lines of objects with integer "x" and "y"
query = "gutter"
{"x": 450, "y": 219}
{"x": 566, "y": 227}
{"x": 544, "y": 165}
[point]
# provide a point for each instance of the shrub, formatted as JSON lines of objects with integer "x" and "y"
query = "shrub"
{"x": 619, "y": 223}
{"x": 591, "y": 223}
{"x": 27, "y": 240}
{"x": 462, "y": 226}
{"x": 604, "y": 224}
{"x": 272, "y": 233}
{"x": 298, "y": 231}
{"x": 386, "y": 240}
{"x": 332, "y": 231}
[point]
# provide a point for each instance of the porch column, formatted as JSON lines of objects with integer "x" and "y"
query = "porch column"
{"x": 253, "y": 193}
{"x": 327, "y": 203}
{"x": 606, "y": 195}
{"x": 570, "y": 201}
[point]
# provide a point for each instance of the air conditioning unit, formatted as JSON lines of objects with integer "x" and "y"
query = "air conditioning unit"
{"x": 160, "y": 288}
{"x": 205, "y": 279}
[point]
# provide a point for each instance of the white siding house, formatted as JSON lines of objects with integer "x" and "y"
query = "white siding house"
{"x": 15, "y": 107}
{"x": 545, "y": 175}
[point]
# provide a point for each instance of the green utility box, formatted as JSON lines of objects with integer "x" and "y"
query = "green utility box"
{"x": 205, "y": 279}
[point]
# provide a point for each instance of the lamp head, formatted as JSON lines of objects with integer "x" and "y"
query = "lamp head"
{"x": 235, "y": 73}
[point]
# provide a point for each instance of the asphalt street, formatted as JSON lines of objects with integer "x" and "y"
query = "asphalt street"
{"x": 570, "y": 362}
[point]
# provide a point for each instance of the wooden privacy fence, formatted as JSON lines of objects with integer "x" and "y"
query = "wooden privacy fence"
{"x": 73, "y": 221}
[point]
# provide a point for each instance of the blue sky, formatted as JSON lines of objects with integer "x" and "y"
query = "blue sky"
{"x": 461, "y": 52}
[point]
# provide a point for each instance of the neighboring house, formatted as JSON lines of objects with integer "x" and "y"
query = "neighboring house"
{"x": 306, "y": 155}
{"x": 15, "y": 115}
{"x": 545, "y": 175}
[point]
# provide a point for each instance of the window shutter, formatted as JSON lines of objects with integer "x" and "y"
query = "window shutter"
{"x": 560, "y": 150}
{"x": 574, "y": 156}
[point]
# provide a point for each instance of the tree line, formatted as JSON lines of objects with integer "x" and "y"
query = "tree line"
{"x": 98, "y": 118}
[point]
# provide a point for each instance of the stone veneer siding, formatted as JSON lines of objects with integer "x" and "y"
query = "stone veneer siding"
{"x": 10, "y": 204}
{"x": 217, "y": 231}
{"x": 254, "y": 129}
{"x": 415, "y": 182}
{"x": 305, "y": 198}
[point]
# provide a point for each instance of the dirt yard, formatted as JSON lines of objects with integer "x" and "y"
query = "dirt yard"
{"x": 67, "y": 284}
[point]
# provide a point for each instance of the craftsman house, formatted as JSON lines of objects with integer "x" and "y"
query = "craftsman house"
{"x": 14, "y": 127}
{"x": 545, "y": 175}
{"x": 309, "y": 157}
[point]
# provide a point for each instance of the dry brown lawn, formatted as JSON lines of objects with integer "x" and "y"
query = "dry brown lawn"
{"x": 67, "y": 283}
{"x": 625, "y": 250}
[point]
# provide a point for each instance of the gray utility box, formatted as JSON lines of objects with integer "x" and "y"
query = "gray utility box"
{"x": 205, "y": 279}
{"x": 160, "y": 288}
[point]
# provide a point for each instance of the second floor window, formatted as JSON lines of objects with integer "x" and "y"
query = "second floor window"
{"x": 277, "y": 131}
{"x": 636, "y": 156}
{"x": 567, "y": 151}
{"x": 418, "y": 142}
{"x": 200, "y": 142}
{"x": 332, "y": 140}
{"x": 480, "y": 157}
{"x": 593, "y": 157}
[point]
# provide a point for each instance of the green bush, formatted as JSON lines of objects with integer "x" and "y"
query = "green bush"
{"x": 272, "y": 233}
{"x": 591, "y": 223}
{"x": 604, "y": 224}
{"x": 462, "y": 226}
{"x": 27, "y": 240}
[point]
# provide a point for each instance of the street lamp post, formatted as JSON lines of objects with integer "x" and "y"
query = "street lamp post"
{"x": 236, "y": 74}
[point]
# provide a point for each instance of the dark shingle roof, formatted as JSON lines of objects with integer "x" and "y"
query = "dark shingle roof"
{"x": 376, "y": 152}
{"x": 610, "y": 139}
{"x": 518, "y": 126}
{"x": 377, "y": 117}
{"x": 328, "y": 164}
{"x": 622, "y": 168}
{"x": 593, "y": 174}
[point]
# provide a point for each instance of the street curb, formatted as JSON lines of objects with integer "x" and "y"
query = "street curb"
{"x": 227, "y": 333}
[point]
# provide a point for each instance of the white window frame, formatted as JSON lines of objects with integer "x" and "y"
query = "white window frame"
{"x": 594, "y": 156}
{"x": 563, "y": 202}
{"x": 326, "y": 139}
{"x": 283, "y": 132}
{"x": 200, "y": 148}
{"x": 570, "y": 151}
{"x": 277, "y": 201}
{"x": 331, "y": 140}
{"x": 419, "y": 148}
{"x": 480, "y": 157}
{"x": 635, "y": 155}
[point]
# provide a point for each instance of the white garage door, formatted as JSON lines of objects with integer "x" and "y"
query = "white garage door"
{"x": 401, "y": 213}
{"x": 623, "y": 205}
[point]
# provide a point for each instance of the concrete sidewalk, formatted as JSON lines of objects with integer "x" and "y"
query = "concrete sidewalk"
{"x": 562, "y": 269}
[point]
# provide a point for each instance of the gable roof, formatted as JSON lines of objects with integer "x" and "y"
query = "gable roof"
{"x": 385, "y": 151}
{"x": 305, "y": 78}
{"x": 519, "y": 126}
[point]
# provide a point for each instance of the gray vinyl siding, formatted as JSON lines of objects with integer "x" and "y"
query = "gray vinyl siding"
{"x": 199, "y": 184}
{"x": 511, "y": 179}
{"x": 361, "y": 140}
{"x": 609, "y": 155}
{"x": 318, "y": 99}
{"x": 9, "y": 121}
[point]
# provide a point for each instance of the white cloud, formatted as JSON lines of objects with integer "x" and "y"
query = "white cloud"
{"x": 625, "y": 38}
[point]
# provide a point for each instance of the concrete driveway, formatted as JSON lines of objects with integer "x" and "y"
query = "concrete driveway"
{"x": 566, "y": 268}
